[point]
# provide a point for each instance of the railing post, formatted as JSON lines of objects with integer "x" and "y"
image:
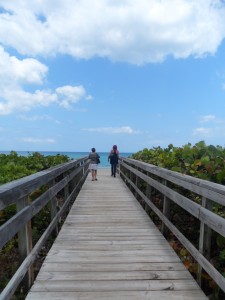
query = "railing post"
{"x": 82, "y": 164}
{"x": 204, "y": 239}
{"x": 72, "y": 184}
{"x": 166, "y": 211}
{"x": 25, "y": 242}
{"x": 54, "y": 207}
{"x": 118, "y": 168}
{"x": 148, "y": 195}
{"x": 66, "y": 189}
{"x": 136, "y": 183}
{"x": 131, "y": 178}
{"x": 208, "y": 233}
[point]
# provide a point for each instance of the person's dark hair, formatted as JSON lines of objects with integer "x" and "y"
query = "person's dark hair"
{"x": 114, "y": 147}
{"x": 93, "y": 149}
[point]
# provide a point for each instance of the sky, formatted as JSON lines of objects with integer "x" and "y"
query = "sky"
{"x": 136, "y": 73}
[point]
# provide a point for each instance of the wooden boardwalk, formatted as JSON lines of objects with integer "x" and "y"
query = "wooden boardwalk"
{"x": 108, "y": 248}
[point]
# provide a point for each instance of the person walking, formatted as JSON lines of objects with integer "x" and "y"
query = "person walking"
{"x": 113, "y": 159}
{"x": 93, "y": 166}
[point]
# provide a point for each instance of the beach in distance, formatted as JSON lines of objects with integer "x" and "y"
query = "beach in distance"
{"x": 73, "y": 155}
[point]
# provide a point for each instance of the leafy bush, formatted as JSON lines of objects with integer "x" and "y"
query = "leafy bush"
{"x": 13, "y": 166}
{"x": 201, "y": 161}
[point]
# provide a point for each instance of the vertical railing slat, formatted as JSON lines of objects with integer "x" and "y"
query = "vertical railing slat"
{"x": 53, "y": 204}
{"x": 25, "y": 242}
{"x": 166, "y": 211}
{"x": 148, "y": 195}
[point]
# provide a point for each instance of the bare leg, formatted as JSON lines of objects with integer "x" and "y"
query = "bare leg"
{"x": 93, "y": 174}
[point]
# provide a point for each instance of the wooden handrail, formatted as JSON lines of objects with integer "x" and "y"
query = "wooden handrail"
{"x": 132, "y": 171}
{"x": 68, "y": 178}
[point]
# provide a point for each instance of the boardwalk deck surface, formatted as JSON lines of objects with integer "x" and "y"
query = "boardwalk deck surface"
{"x": 108, "y": 248}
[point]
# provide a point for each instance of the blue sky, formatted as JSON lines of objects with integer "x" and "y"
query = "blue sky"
{"x": 139, "y": 73}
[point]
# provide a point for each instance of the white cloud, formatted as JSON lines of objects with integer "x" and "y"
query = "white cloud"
{"x": 89, "y": 97}
{"x": 216, "y": 129}
{"x": 212, "y": 119}
{"x": 14, "y": 71}
{"x": 38, "y": 141}
{"x": 17, "y": 100}
{"x": 70, "y": 94}
{"x": 113, "y": 130}
{"x": 208, "y": 118}
{"x": 38, "y": 118}
{"x": 137, "y": 31}
{"x": 202, "y": 132}
{"x": 211, "y": 133}
{"x": 16, "y": 75}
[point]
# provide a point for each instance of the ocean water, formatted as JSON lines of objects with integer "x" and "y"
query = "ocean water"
{"x": 73, "y": 155}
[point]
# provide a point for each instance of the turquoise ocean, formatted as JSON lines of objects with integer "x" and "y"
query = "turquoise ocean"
{"x": 72, "y": 155}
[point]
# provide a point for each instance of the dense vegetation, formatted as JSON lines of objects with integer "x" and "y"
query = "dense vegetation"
{"x": 12, "y": 167}
{"x": 201, "y": 161}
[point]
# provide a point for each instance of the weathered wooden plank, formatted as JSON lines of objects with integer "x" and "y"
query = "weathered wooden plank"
{"x": 114, "y": 225}
{"x": 96, "y": 246}
{"x": 77, "y": 232}
{"x": 111, "y": 231}
{"x": 67, "y": 245}
{"x": 114, "y": 285}
{"x": 107, "y": 243}
{"x": 13, "y": 283}
{"x": 108, "y": 238}
{"x": 115, "y": 275}
{"x": 113, "y": 215}
{"x": 77, "y": 254}
{"x": 119, "y": 295}
{"x": 108, "y": 223}
{"x": 118, "y": 259}
{"x": 106, "y": 267}
{"x": 216, "y": 275}
{"x": 109, "y": 249}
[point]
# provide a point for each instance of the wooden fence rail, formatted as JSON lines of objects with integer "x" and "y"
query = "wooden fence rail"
{"x": 66, "y": 180}
{"x": 143, "y": 178}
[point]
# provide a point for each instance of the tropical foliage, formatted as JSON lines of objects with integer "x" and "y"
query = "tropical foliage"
{"x": 12, "y": 167}
{"x": 201, "y": 161}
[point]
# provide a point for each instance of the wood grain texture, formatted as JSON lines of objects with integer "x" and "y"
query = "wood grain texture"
{"x": 108, "y": 248}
